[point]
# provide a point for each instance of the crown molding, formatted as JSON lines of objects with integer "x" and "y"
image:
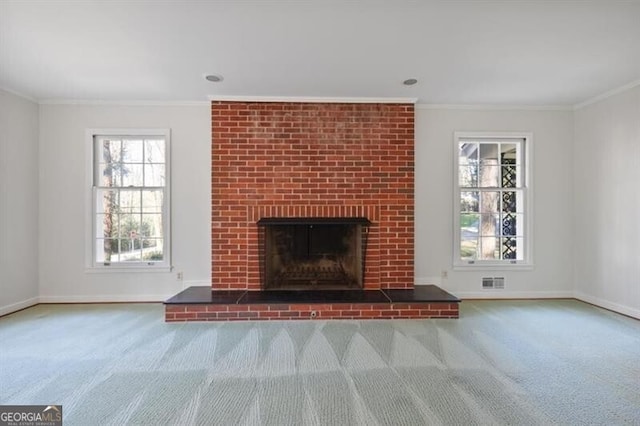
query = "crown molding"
{"x": 489, "y": 107}
{"x": 383, "y": 100}
{"x": 120, "y": 103}
{"x": 312, "y": 99}
{"x": 18, "y": 94}
{"x": 607, "y": 94}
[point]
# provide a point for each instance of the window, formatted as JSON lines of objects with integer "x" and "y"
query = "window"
{"x": 492, "y": 210}
{"x": 129, "y": 173}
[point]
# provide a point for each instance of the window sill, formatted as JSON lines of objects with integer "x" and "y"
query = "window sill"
{"x": 127, "y": 270}
{"x": 494, "y": 267}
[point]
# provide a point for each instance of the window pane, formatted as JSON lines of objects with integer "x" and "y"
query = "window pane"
{"x": 469, "y": 201}
{"x": 152, "y": 201}
{"x": 489, "y": 202}
{"x": 107, "y": 219}
{"x": 108, "y": 150}
{"x": 512, "y": 248}
{"x": 131, "y": 251}
{"x": 132, "y": 175}
{"x": 468, "y": 248}
{"x": 509, "y": 153}
{"x": 509, "y": 224}
{"x": 509, "y": 177}
{"x": 129, "y": 226}
{"x": 130, "y": 201}
{"x": 489, "y": 225}
{"x": 106, "y": 250}
{"x": 468, "y": 164}
{"x": 489, "y": 176}
{"x": 107, "y": 201}
{"x": 489, "y": 154}
{"x": 509, "y": 201}
{"x": 131, "y": 151}
{"x": 489, "y": 248}
{"x": 110, "y": 175}
{"x": 153, "y": 250}
{"x": 106, "y": 225}
{"x": 152, "y": 225}
{"x": 468, "y": 176}
{"x": 468, "y": 153}
{"x": 470, "y": 222}
{"x": 154, "y": 151}
{"x": 154, "y": 175}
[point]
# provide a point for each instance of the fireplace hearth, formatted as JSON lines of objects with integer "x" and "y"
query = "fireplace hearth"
{"x": 313, "y": 253}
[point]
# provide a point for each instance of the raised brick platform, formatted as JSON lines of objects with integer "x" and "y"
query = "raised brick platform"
{"x": 203, "y": 304}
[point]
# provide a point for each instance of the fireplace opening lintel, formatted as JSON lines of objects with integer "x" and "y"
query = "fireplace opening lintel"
{"x": 268, "y": 221}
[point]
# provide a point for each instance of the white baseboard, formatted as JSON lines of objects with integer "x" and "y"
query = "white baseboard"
{"x": 119, "y": 298}
{"x": 106, "y": 298}
{"x": 4, "y": 310}
{"x": 612, "y": 306}
{"x": 501, "y": 294}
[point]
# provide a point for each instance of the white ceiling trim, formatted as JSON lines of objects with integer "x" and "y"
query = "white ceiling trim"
{"x": 607, "y": 94}
{"x": 481, "y": 107}
{"x": 18, "y": 94}
{"x": 121, "y": 103}
{"x": 324, "y": 100}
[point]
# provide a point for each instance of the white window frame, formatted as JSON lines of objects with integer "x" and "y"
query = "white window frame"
{"x": 526, "y": 263}
{"x": 90, "y": 228}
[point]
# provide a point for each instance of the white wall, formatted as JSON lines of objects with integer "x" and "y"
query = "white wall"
{"x": 552, "y": 200}
{"x": 607, "y": 202}
{"x": 18, "y": 202}
{"x": 62, "y": 201}
{"x": 604, "y": 152}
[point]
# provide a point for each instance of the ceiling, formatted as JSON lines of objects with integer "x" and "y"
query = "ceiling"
{"x": 551, "y": 53}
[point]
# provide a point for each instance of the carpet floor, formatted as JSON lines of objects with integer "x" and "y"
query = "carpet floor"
{"x": 502, "y": 363}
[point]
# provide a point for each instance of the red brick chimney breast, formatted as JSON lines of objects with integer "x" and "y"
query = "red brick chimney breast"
{"x": 290, "y": 159}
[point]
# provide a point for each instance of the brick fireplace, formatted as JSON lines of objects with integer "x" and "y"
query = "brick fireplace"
{"x": 345, "y": 167}
{"x": 303, "y": 160}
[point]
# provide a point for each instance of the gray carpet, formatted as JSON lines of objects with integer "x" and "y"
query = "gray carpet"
{"x": 506, "y": 362}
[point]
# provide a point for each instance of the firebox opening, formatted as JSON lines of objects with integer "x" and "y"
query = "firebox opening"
{"x": 320, "y": 253}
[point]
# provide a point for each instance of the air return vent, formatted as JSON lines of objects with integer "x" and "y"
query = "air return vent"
{"x": 493, "y": 282}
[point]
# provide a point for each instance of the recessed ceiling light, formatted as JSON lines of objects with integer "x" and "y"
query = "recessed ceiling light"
{"x": 410, "y": 82}
{"x": 214, "y": 78}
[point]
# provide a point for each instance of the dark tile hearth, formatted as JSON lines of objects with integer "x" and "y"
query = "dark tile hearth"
{"x": 204, "y": 304}
{"x": 203, "y": 294}
{"x": 314, "y": 296}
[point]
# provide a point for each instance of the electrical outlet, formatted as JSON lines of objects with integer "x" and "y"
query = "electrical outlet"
{"x": 179, "y": 276}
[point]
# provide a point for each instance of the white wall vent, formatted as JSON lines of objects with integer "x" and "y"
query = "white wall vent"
{"x": 487, "y": 282}
{"x": 493, "y": 282}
